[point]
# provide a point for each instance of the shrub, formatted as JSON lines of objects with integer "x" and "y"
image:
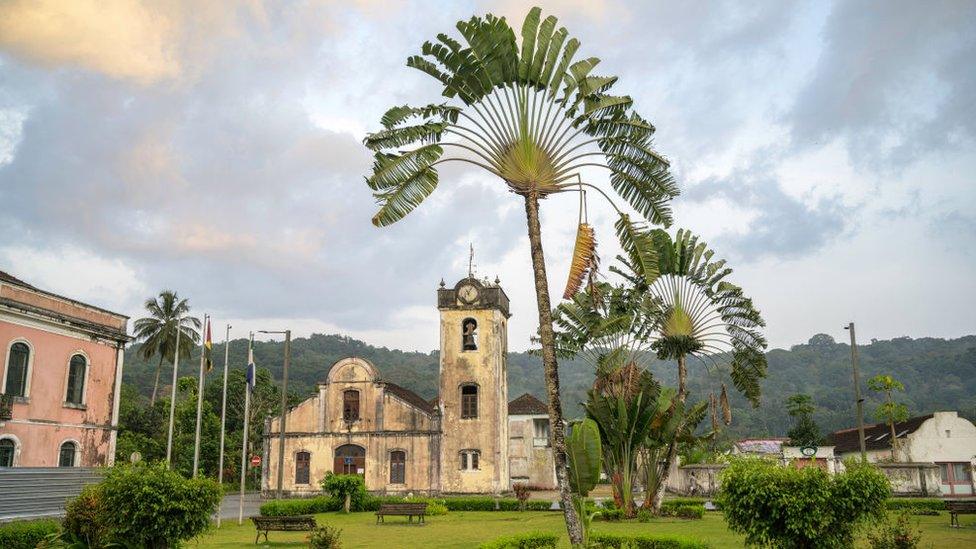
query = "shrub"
{"x": 692, "y": 501}
{"x": 644, "y": 515}
{"x": 531, "y": 540}
{"x": 802, "y": 508}
{"x": 521, "y": 494}
{"x": 304, "y": 506}
{"x": 26, "y": 534}
{"x": 897, "y": 504}
{"x": 682, "y": 510}
{"x": 612, "y": 515}
{"x": 151, "y": 506}
{"x": 614, "y": 541}
{"x": 351, "y": 489}
{"x": 324, "y": 537}
{"x": 86, "y": 520}
{"x": 487, "y": 503}
{"x": 898, "y": 535}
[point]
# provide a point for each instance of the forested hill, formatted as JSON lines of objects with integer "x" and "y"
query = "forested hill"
{"x": 938, "y": 374}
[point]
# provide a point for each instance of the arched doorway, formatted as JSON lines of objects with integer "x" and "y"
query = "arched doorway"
{"x": 350, "y": 460}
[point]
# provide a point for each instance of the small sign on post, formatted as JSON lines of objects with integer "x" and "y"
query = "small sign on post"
{"x": 255, "y": 461}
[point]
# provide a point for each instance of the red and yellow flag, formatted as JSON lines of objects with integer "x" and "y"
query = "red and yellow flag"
{"x": 208, "y": 347}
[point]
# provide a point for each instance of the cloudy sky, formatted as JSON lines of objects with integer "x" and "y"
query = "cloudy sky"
{"x": 825, "y": 149}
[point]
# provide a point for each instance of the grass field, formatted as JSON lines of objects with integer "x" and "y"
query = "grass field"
{"x": 467, "y": 529}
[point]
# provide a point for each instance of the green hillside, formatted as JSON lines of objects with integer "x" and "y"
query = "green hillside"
{"x": 939, "y": 374}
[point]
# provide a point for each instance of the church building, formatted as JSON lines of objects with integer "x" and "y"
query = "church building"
{"x": 469, "y": 439}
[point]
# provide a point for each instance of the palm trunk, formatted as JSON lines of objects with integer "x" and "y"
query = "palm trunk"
{"x": 159, "y": 368}
{"x": 672, "y": 453}
{"x": 550, "y": 369}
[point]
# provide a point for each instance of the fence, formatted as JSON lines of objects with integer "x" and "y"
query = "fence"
{"x": 33, "y": 492}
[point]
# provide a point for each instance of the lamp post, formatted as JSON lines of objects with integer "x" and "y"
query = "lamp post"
{"x": 284, "y": 406}
{"x": 857, "y": 392}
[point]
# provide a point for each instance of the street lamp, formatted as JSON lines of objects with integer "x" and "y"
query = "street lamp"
{"x": 284, "y": 405}
{"x": 857, "y": 393}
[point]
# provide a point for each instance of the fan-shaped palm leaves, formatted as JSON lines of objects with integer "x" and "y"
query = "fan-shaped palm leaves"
{"x": 158, "y": 331}
{"x": 526, "y": 109}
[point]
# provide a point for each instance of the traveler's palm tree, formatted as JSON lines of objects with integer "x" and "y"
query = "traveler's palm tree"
{"x": 702, "y": 315}
{"x": 530, "y": 114}
{"x": 158, "y": 331}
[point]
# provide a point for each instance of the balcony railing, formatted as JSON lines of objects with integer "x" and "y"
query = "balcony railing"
{"x": 6, "y": 407}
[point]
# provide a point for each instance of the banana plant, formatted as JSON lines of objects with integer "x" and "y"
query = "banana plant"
{"x": 584, "y": 449}
{"x": 530, "y": 112}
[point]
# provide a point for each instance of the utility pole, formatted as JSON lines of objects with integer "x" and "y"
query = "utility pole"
{"x": 857, "y": 392}
{"x": 172, "y": 398}
{"x": 284, "y": 408}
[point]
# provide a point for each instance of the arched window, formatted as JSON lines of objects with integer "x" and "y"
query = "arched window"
{"x": 76, "y": 379}
{"x": 398, "y": 467}
{"x": 350, "y": 405}
{"x": 302, "y": 465}
{"x": 469, "y": 334}
{"x": 350, "y": 460}
{"x": 469, "y": 460}
{"x": 7, "y": 449}
{"x": 469, "y": 401}
{"x": 17, "y": 366}
{"x": 67, "y": 455}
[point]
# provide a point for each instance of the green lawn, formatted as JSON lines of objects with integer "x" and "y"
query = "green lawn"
{"x": 468, "y": 529}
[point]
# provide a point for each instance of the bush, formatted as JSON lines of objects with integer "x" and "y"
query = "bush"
{"x": 614, "y": 541}
{"x": 612, "y": 515}
{"x": 86, "y": 520}
{"x": 522, "y": 493}
{"x": 898, "y": 535}
{"x": 682, "y": 510}
{"x": 305, "y": 506}
{"x": 531, "y": 540}
{"x": 350, "y": 489}
{"x": 324, "y": 537}
{"x": 151, "y": 506}
{"x": 691, "y": 501}
{"x": 644, "y": 515}
{"x": 26, "y": 534}
{"x": 897, "y": 504}
{"x": 802, "y": 508}
{"x": 487, "y": 503}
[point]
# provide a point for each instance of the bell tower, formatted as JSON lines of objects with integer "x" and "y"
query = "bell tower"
{"x": 473, "y": 386}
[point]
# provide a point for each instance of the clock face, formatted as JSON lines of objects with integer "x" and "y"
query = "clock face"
{"x": 468, "y": 293}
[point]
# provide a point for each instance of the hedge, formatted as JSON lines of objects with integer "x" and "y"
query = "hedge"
{"x": 897, "y": 504}
{"x": 691, "y": 501}
{"x": 531, "y": 540}
{"x": 615, "y": 541}
{"x": 487, "y": 503}
{"x": 26, "y": 534}
{"x": 682, "y": 510}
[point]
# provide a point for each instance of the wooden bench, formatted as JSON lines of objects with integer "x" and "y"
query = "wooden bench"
{"x": 956, "y": 508}
{"x": 408, "y": 510}
{"x": 297, "y": 523}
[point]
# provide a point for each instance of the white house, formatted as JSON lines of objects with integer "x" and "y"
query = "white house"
{"x": 942, "y": 438}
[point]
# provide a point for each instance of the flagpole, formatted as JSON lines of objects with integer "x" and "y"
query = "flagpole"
{"x": 223, "y": 416}
{"x": 203, "y": 352}
{"x": 247, "y": 417}
{"x": 172, "y": 398}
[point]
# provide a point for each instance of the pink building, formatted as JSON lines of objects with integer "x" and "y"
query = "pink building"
{"x": 60, "y": 378}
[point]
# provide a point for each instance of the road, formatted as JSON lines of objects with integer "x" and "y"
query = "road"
{"x": 230, "y": 505}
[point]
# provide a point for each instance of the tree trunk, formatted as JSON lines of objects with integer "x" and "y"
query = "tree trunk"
{"x": 159, "y": 368}
{"x": 348, "y": 503}
{"x": 549, "y": 366}
{"x": 894, "y": 442}
{"x": 672, "y": 453}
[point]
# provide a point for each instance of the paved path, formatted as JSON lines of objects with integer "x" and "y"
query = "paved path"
{"x": 231, "y": 504}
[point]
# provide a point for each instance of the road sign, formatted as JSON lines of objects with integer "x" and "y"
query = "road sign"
{"x": 255, "y": 461}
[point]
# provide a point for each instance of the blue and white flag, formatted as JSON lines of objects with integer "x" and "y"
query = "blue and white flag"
{"x": 251, "y": 371}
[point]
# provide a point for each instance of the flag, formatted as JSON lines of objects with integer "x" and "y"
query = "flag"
{"x": 208, "y": 347}
{"x": 251, "y": 373}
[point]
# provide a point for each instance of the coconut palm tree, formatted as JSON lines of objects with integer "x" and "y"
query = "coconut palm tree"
{"x": 702, "y": 316}
{"x": 526, "y": 112}
{"x": 158, "y": 331}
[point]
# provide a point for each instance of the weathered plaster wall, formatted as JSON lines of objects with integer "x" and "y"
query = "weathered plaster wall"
{"x": 488, "y": 433}
{"x": 931, "y": 443}
{"x": 42, "y": 421}
{"x": 529, "y": 463}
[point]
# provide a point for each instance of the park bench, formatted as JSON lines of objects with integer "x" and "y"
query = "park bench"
{"x": 297, "y": 523}
{"x": 956, "y": 508}
{"x": 408, "y": 510}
